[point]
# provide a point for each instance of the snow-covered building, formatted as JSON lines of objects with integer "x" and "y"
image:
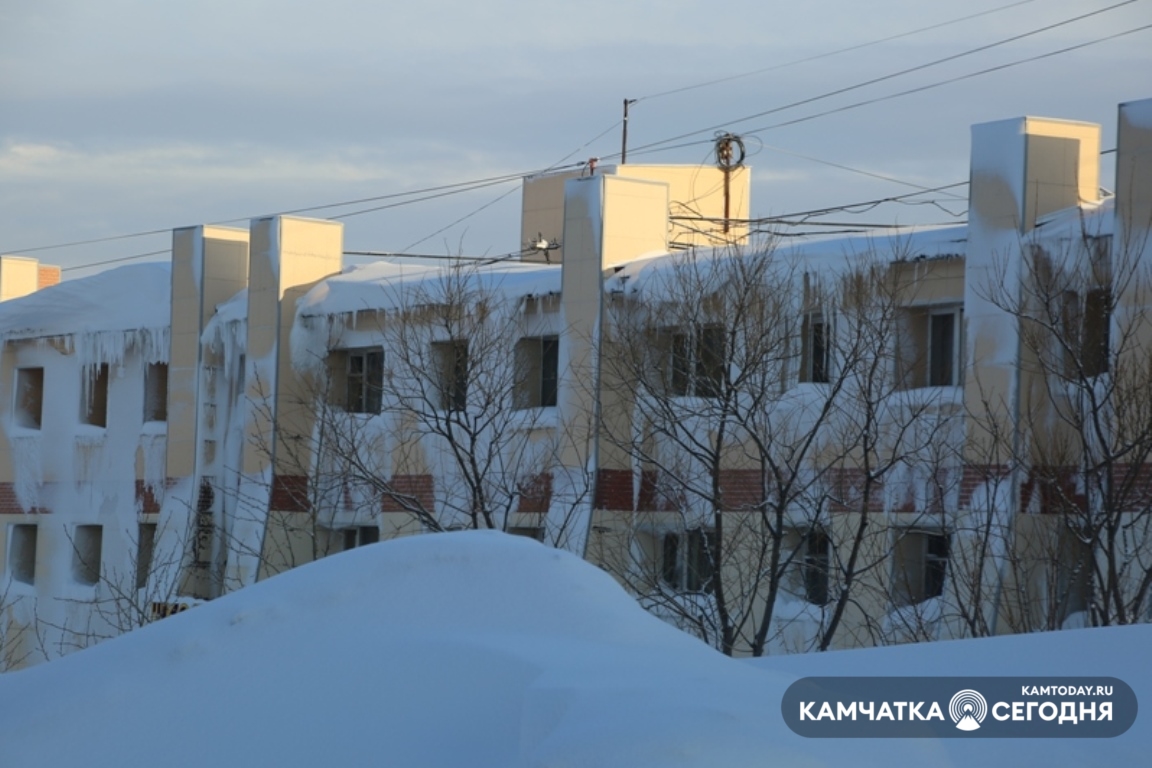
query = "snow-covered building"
{"x": 847, "y": 442}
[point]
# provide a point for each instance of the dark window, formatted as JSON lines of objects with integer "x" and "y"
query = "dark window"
{"x": 538, "y": 363}
{"x": 1095, "y": 340}
{"x": 87, "y": 543}
{"x": 816, "y": 352}
{"x": 360, "y": 536}
{"x": 528, "y": 531}
{"x": 696, "y": 361}
{"x": 1072, "y": 590}
{"x": 920, "y": 564}
{"x": 687, "y": 564}
{"x": 814, "y": 566}
{"x": 942, "y": 349}
{"x": 94, "y": 396}
{"x": 156, "y": 392}
{"x": 452, "y": 360}
{"x": 22, "y": 552}
{"x": 145, "y": 547}
{"x": 365, "y": 380}
{"x": 29, "y": 397}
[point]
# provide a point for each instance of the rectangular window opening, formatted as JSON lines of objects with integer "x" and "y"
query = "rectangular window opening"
{"x": 364, "y": 382}
{"x": 528, "y": 531}
{"x": 687, "y": 564}
{"x": 87, "y": 543}
{"x": 29, "y": 397}
{"x": 695, "y": 361}
{"x": 1096, "y": 334}
{"x": 1072, "y": 591}
{"x": 920, "y": 563}
{"x": 942, "y": 349}
{"x": 814, "y": 566}
{"x": 22, "y": 552}
{"x": 360, "y": 536}
{"x": 451, "y": 358}
{"x": 537, "y": 371}
{"x": 816, "y": 353}
{"x": 94, "y": 396}
{"x": 156, "y": 392}
{"x": 145, "y": 549}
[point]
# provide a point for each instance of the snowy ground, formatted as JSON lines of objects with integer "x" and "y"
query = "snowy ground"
{"x": 479, "y": 649}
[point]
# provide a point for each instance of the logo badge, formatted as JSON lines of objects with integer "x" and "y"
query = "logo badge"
{"x": 968, "y": 709}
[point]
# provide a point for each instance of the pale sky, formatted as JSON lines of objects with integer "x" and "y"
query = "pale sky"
{"x": 131, "y": 115}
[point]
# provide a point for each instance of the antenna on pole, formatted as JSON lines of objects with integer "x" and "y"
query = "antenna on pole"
{"x": 624, "y": 137}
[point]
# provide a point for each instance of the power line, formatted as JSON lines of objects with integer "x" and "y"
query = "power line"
{"x": 829, "y": 54}
{"x": 890, "y": 76}
{"x": 652, "y": 148}
{"x": 866, "y": 205}
{"x": 438, "y": 257}
{"x": 958, "y": 78}
{"x": 466, "y": 186}
{"x": 446, "y": 189}
{"x": 849, "y": 168}
{"x": 116, "y": 261}
{"x": 503, "y": 195}
{"x": 447, "y": 193}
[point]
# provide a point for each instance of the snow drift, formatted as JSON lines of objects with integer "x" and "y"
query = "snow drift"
{"x": 475, "y": 649}
{"x": 459, "y": 649}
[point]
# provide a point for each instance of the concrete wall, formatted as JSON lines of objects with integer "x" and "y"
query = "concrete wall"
{"x": 288, "y": 256}
{"x": 1021, "y": 170}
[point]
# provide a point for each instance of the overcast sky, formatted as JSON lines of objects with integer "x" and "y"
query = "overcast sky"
{"x": 129, "y": 115}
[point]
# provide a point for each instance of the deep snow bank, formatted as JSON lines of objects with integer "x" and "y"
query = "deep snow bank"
{"x": 461, "y": 649}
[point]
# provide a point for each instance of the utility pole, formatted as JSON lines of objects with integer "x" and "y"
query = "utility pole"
{"x": 624, "y": 138}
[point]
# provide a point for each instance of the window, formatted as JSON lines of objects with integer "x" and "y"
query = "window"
{"x": 87, "y": 542}
{"x": 920, "y": 561}
{"x": 94, "y": 396}
{"x": 145, "y": 547}
{"x": 528, "y": 531}
{"x": 815, "y": 355}
{"x": 942, "y": 348}
{"x": 365, "y": 380}
{"x": 22, "y": 552}
{"x": 814, "y": 557}
{"x": 451, "y": 358}
{"x": 694, "y": 361}
{"x": 1087, "y": 323}
{"x": 29, "y": 397}
{"x": 1072, "y": 590}
{"x": 360, "y": 536}
{"x": 156, "y": 392}
{"x": 687, "y": 565}
{"x": 537, "y": 371}
{"x": 929, "y": 353}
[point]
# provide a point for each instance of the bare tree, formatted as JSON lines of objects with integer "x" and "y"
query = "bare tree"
{"x": 430, "y": 409}
{"x": 765, "y": 418}
{"x": 1085, "y": 429}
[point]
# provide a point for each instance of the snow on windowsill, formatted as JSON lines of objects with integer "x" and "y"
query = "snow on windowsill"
{"x": 154, "y": 428}
{"x": 526, "y": 419}
{"x": 90, "y": 433}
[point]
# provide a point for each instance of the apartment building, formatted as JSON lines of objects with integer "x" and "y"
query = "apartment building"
{"x": 849, "y": 442}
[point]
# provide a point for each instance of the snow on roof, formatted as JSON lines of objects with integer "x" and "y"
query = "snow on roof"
{"x": 128, "y": 298}
{"x": 387, "y": 285}
{"x": 1093, "y": 219}
{"x": 829, "y": 254}
{"x": 99, "y": 318}
{"x": 457, "y": 649}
